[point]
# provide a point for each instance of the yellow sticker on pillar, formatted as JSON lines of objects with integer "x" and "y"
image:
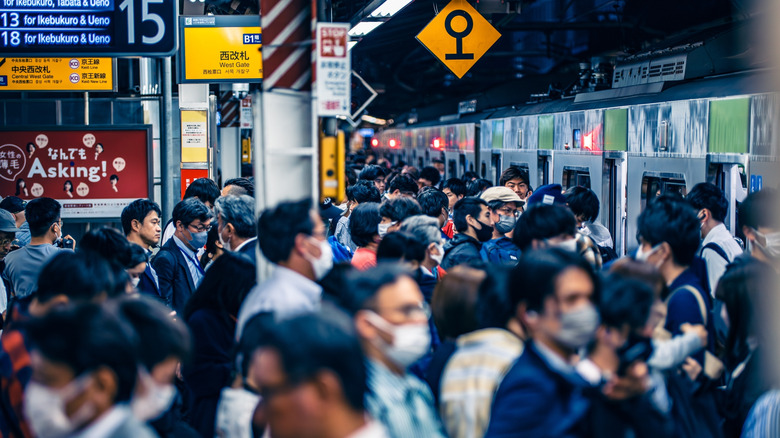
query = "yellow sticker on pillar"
{"x": 194, "y": 136}
{"x": 458, "y": 36}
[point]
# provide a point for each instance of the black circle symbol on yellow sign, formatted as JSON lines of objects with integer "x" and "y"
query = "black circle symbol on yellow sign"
{"x": 458, "y": 35}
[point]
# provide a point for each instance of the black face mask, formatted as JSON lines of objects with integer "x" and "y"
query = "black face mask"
{"x": 485, "y": 233}
{"x": 636, "y": 349}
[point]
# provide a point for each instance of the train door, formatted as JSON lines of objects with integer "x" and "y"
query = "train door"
{"x": 613, "y": 199}
{"x": 732, "y": 179}
{"x": 495, "y": 160}
{"x": 545, "y": 168}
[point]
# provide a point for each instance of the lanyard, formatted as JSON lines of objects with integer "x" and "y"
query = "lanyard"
{"x": 193, "y": 260}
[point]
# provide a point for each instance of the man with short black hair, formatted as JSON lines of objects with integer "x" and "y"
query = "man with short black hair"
{"x": 584, "y": 203}
{"x": 391, "y": 319}
{"x": 761, "y": 226}
{"x": 141, "y": 224}
{"x": 238, "y": 187}
{"x": 23, "y": 265}
{"x": 455, "y": 189}
{"x": 474, "y": 227}
{"x": 236, "y": 225}
{"x": 312, "y": 376}
{"x": 291, "y": 236}
{"x": 394, "y": 211}
{"x": 177, "y": 265}
{"x": 517, "y": 180}
{"x": 84, "y": 372}
{"x": 402, "y": 185}
{"x": 429, "y": 177}
{"x": 362, "y": 191}
{"x": 434, "y": 204}
{"x": 206, "y": 190}
{"x": 15, "y": 206}
{"x": 376, "y": 175}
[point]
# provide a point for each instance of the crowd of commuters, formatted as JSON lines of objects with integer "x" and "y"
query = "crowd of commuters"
{"x": 422, "y": 306}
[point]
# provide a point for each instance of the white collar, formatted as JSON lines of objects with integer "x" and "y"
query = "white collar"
{"x": 107, "y": 423}
{"x": 244, "y": 243}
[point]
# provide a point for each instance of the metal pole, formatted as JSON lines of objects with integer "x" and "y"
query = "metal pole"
{"x": 168, "y": 167}
{"x": 86, "y": 108}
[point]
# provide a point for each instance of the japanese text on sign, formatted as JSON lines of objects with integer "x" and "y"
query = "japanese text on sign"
{"x": 333, "y": 69}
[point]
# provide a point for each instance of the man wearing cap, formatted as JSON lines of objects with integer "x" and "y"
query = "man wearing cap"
{"x": 504, "y": 206}
{"x": 8, "y": 232}
{"x": 15, "y": 206}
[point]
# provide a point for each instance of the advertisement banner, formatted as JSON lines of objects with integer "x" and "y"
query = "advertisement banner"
{"x": 93, "y": 172}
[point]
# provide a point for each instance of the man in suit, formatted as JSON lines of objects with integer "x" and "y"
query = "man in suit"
{"x": 84, "y": 369}
{"x": 542, "y": 395}
{"x": 177, "y": 265}
{"x": 236, "y": 225}
{"x": 141, "y": 224}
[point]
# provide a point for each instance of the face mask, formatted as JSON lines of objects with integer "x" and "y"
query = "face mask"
{"x": 578, "y": 327}
{"x": 135, "y": 281}
{"x": 410, "y": 341}
{"x": 322, "y": 264}
{"x": 440, "y": 256}
{"x": 382, "y": 228}
{"x": 156, "y": 400}
{"x": 225, "y": 243}
{"x": 642, "y": 256}
{"x": 44, "y": 408}
{"x": 505, "y": 224}
{"x": 199, "y": 239}
{"x": 485, "y": 233}
{"x": 568, "y": 245}
{"x": 772, "y": 247}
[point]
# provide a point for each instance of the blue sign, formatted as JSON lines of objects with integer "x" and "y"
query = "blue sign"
{"x": 3, "y": 81}
{"x": 88, "y": 27}
{"x": 753, "y": 184}
{"x": 760, "y": 182}
{"x": 253, "y": 38}
{"x": 366, "y": 132}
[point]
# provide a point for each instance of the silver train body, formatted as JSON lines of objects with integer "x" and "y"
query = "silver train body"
{"x": 625, "y": 148}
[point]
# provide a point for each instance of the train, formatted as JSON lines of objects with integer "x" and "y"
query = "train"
{"x": 629, "y": 143}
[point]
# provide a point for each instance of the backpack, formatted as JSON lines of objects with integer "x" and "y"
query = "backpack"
{"x": 607, "y": 254}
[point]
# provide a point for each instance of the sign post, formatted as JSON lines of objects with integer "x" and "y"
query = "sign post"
{"x": 458, "y": 36}
{"x": 333, "y": 70}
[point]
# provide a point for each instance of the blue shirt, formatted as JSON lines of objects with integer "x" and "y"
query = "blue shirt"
{"x": 196, "y": 272}
{"x": 403, "y": 404}
{"x": 501, "y": 251}
{"x": 683, "y": 307}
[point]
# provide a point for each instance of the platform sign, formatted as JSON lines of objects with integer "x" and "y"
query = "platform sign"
{"x": 57, "y": 74}
{"x": 334, "y": 73}
{"x": 458, "y": 36}
{"x": 194, "y": 136}
{"x": 94, "y": 172}
{"x": 88, "y": 27}
{"x": 220, "y": 49}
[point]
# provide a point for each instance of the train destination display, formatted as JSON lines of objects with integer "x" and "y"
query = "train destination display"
{"x": 88, "y": 27}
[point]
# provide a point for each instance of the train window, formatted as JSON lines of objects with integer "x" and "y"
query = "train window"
{"x": 543, "y": 167}
{"x": 654, "y": 186}
{"x": 496, "y": 159}
{"x": 452, "y": 169}
{"x": 483, "y": 170}
{"x": 576, "y": 136}
{"x": 576, "y": 176}
{"x": 519, "y": 138}
{"x": 420, "y": 163}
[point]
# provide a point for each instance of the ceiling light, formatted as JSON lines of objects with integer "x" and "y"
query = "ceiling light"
{"x": 364, "y": 28}
{"x": 389, "y": 8}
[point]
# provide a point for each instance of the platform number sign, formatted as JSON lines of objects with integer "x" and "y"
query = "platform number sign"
{"x": 88, "y": 27}
{"x": 458, "y": 36}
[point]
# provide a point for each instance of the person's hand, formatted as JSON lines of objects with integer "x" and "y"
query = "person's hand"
{"x": 698, "y": 329}
{"x": 635, "y": 383}
{"x": 692, "y": 368}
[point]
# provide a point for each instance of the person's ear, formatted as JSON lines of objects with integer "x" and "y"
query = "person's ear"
{"x": 301, "y": 244}
{"x": 135, "y": 225}
{"x": 328, "y": 386}
{"x": 104, "y": 387}
{"x": 471, "y": 221}
{"x": 364, "y": 329}
{"x": 230, "y": 228}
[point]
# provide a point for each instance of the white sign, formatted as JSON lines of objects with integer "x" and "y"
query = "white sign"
{"x": 333, "y": 69}
{"x": 246, "y": 113}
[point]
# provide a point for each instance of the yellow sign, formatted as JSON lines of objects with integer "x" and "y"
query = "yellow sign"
{"x": 56, "y": 74}
{"x": 458, "y": 36}
{"x": 222, "y": 54}
{"x": 194, "y": 136}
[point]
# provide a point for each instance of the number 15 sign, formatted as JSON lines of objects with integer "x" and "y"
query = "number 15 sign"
{"x": 88, "y": 27}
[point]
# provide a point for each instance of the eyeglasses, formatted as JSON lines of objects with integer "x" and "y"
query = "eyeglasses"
{"x": 411, "y": 310}
{"x": 200, "y": 228}
{"x": 508, "y": 212}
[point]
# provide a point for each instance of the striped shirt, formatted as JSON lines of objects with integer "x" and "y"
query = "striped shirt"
{"x": 403, "y": 404}
{"x": 763, "y": 421}
{"x": 471, "y": 378}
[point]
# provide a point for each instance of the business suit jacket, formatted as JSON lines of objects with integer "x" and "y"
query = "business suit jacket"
{"x": 534, "y": 400}
{"x": 147, "y": 285}
{"x": 176, "y": 285}
{"x": 248, "y": 251}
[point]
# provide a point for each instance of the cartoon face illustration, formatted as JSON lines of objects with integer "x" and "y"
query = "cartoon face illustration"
{"x": 119, "y": 164}
{"x": 36, "y": 190}
{"x": 88, "y": 140}
{"x": 41, "y": 140}
{"x": 82, "y": 189}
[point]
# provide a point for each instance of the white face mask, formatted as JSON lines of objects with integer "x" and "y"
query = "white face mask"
{"x": 225, "y": 243}
{"x": 642, "y": 256}
{"x": 772, "y": 247}
{"x": 410, "y": 341}
{"x": 44, "y": 408}
{"x": 135, "y": 281}
{"x": 155, "y": 401}
{"x": 382, "y": 228}
{"x": 440, "y": 256}
{"x": 578, "y": 326}
{"x": 323, "y": 264}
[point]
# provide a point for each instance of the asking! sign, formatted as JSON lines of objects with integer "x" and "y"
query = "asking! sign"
{"x": 93, "y": 172}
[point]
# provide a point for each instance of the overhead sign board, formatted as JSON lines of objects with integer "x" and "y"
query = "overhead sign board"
{"x": 333, "y": 70}
{"x": 220, "y": 49}
{"x": 94, "y": 172}
{"x": 57, "y": 74}
{"x": 458, "y": 36}
{"x": 88, "y": 27}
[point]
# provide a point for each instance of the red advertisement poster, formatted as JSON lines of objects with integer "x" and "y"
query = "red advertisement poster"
{"x": 93, "y": 171}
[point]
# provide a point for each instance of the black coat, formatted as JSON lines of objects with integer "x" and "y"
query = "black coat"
{"x": 460, "y": 249}
{"x": 176, "y": 285}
